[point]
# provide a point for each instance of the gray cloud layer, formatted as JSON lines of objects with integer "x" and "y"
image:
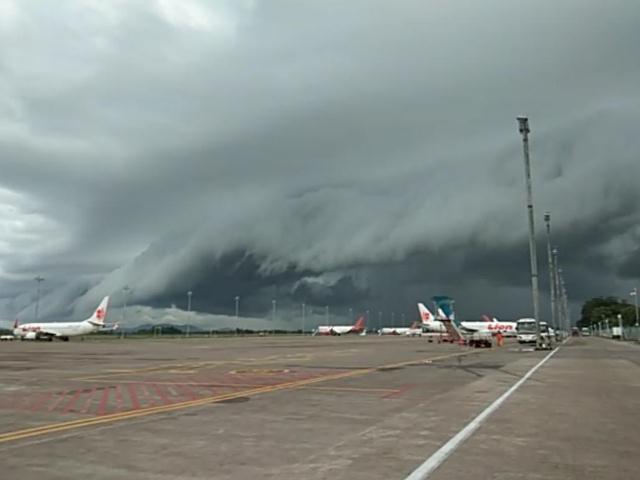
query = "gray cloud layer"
{"x": 352, "y": 154}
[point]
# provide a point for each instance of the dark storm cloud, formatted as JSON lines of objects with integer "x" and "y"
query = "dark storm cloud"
{"x": 340, "y": 153}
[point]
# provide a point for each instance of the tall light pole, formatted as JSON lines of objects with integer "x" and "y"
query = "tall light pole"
{"x": 126, "y": 289}
{"x": 523, "y": 127}
{"x": 552, "y": 286}
{"x": 326, "y": 314}
{"x": 189, "y": 294}
{"x": 562, "y": 314}
{"x": 237, "y": 299}
{"x": 274, "y": 310}
{"x": 556, "y": 287}
{"x": 38, "y": 280}
{"x": 304, "y": 315}
{"x": 634, "y": 294}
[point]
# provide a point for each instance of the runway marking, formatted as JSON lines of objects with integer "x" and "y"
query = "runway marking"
{"x": 118, "y": 395}
{"x": 58, "y": 401}
{"x": 126, "y": 415}
{"x": 102, "y": 407}
{"x": 89, "y": 399}
{"x": 353, "y": 389}
{"x": 160, "y": 391}
{"x": 181, "y": 367}
{"x": 400, "y": 391}
{"x": 39, "y": 404}
{"x": 425, "y": 470}
{"x": 135, "y": 403}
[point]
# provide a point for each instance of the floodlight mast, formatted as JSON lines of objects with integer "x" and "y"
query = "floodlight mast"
{"x": 523, "y": 128}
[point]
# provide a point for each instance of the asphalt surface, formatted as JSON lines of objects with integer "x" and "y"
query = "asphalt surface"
{"x": 314, "y": 407}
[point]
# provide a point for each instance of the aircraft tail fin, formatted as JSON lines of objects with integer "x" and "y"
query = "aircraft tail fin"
{"x": 16, "y": 324}
{"x": 100, "y": 314}
{"x": 425, "y": 315}
{"x": 359, "y": 323}
{"x": 486, "y": 318}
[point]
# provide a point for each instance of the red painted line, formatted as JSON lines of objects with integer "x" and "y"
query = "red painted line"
{"x": 161, "y": 393}
{"x": 173, "y": 392}
{"x": 135, "y": 403}
{"x": 102, "y": 407}
{"x": 189, "y": 392}
{"x": 87, "y": 402}
{"x": 212, "y": 390}
{"x": 150, "y": 398}
{"x": 119, "y": 399}
{"x": 400, "y": 391}
{"x": 71, "y": 403}
{"x": 41, "y": 402}
{"x": 61, "y": 397}
{"x": 203, "y": 390}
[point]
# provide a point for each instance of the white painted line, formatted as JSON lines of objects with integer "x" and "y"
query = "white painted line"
{"x": 435, "y": 460}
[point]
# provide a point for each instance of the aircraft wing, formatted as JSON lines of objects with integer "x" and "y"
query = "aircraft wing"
{"x": 43, "y": 332}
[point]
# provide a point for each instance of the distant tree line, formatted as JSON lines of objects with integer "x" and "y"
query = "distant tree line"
{"x": 599, "y": 309}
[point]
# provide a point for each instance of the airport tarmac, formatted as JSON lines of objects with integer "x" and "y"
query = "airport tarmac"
{"x": 314, "y": 408}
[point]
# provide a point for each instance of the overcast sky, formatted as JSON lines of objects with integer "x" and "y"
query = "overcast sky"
{"x": 356, "y": 154}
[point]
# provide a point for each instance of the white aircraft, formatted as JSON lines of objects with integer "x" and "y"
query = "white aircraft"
{"x": 429, "y": 323}
{"x": 358, "y": 327}
{"x": 412, "y": 331}
{"x": 490, "y": 325}
{"x": 64, "y": 330}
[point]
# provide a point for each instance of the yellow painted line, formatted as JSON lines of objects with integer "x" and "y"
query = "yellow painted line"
{"x": 353, "y": 389}
{"x": 114, "y": 417}
{"x": 192, "y": 384}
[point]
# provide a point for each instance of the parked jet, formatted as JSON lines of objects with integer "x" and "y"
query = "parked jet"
{"x": 358, "y": 327}
{"x": 411, "y": 331}
{"x": 490, "y": 325}
{"x": 64, "y": 330}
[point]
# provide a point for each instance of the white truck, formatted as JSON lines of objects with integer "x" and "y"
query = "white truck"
{"x": 616, "y": 333}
